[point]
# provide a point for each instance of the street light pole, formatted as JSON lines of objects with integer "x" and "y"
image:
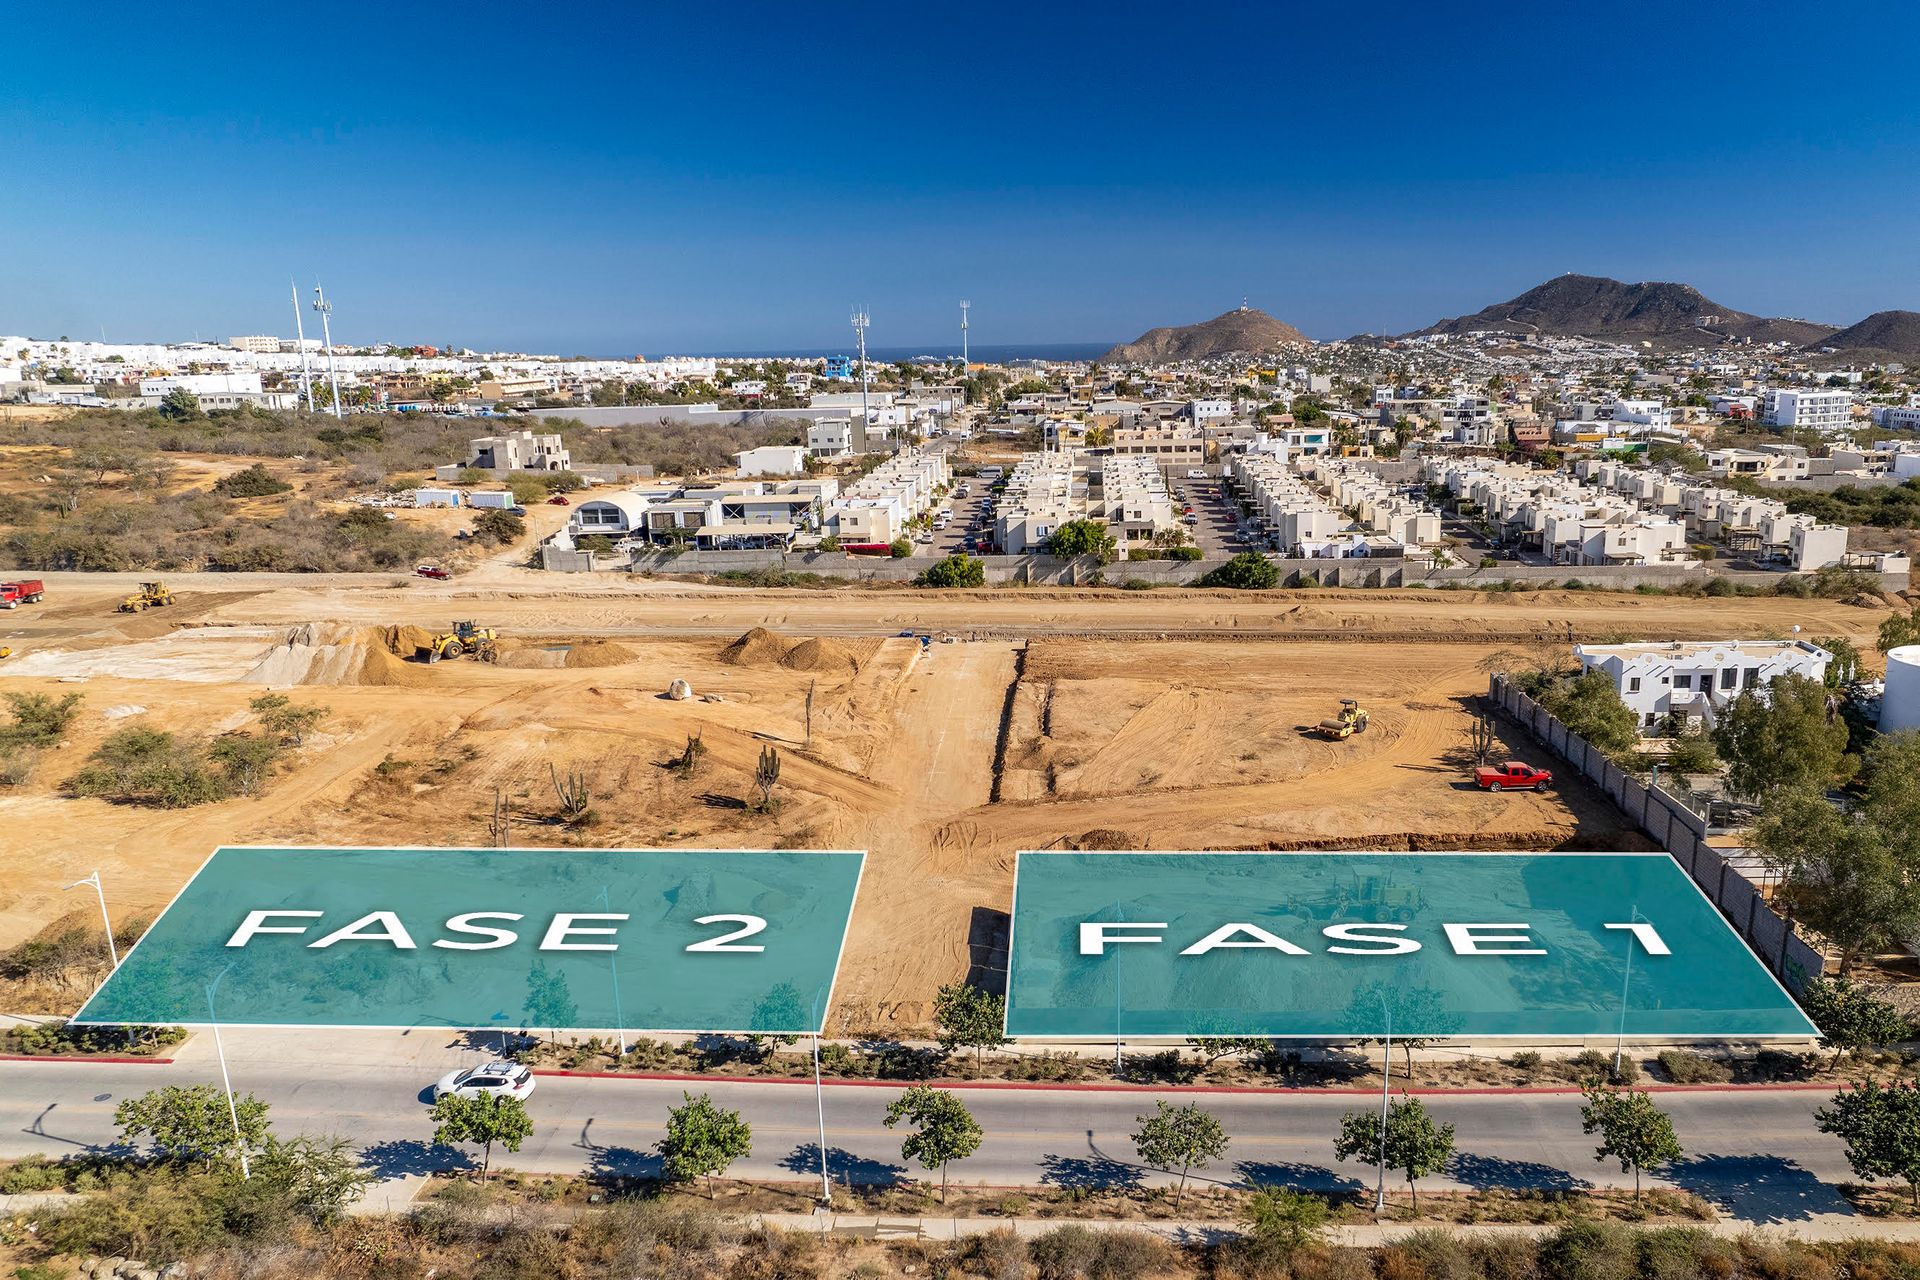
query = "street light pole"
{"x": 820, "y": 1105}
{"x": 1386, "y": 1078}
{"x": 1620, "y": 1040}
{"x": 613, "y": 967}
{"x": 226, "y": 1081}
{"x": 113, "y": 951}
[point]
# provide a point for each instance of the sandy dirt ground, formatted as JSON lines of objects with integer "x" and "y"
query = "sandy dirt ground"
{"x": 1103, "y": 719}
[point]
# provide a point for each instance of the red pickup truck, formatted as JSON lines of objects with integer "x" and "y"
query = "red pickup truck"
{"x": 25, "y": 591}
{"x": 1513, "y": 775}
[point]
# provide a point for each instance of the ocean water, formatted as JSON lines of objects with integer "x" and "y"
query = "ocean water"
{"x": 990, "y": 353}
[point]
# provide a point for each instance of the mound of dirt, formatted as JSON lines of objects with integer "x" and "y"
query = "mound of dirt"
{"x": 757, "y": 648}
{"x": 404, "y": 642}
{"x": 331, "y": 653}
{"x": 820, "y": 655}
{"x": 599, "y": 653}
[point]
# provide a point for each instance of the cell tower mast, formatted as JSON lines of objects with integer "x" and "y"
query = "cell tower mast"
{"x": 325, "y": 309}
{"x": 300, "y": 340}
{"x": 860, "y": 332}
{"x": 965, "y": 364}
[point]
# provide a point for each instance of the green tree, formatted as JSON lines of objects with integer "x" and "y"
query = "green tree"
{"x": 39, "y": 719}
{"x": 1415, "y": 1144}
{"x": 181, "y": 405}
{"x": 1183, "y": 1137}
{"x": 1842, "y": 874}
{"x": 1590, "y": 706}
{"x": 960, "y": 570}
{"x": 900, "y": 548}
{"x": 1082, "y": 538}
{"x": 1791, "y": 736}
{"x": 944, "y": 1130}
{"x": 1248, "y": 571}
{"x": 1851, "y": 1017}
{"x": 702, "y": 1140}
{"x": 290, "y": 721}
{"x": 1880, "y": 1127}
{"x": 193, "y": 1123}
{"x": 317, "y": 1178}
{"x": 970, "y": 1018}
{"x": 1900, "y": 629}
{"x": 485, "y": 1119}
{"x": 1632, "y": 1130}
{"x": 1845, "y": 667}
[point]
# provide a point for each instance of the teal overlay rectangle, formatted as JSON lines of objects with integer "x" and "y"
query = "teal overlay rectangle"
{"x": 776, "y": 978}
{"x": 1592, "y": 981}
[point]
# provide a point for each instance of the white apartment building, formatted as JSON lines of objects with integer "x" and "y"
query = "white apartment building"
{"x": 1697, "y": 679}
{"x": 1811, "y": 410}
{"x": 257, "y": 344}
{"x": 771, "y": 460}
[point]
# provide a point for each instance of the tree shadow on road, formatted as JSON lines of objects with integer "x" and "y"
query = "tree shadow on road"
{"x": 1490, "y": 1173}
{"x": 1757, "y": 1188}
{"x": 844, "y": 1166}
{"x": 1286, "y": 1173}
{"x": 404, "y": 1156}
{"x": 1091, "y": 1172}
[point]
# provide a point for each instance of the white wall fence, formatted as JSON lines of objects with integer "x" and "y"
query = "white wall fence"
{"x": 1667, "y": 820}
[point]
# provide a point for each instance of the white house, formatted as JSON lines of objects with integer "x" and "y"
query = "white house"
{"x": 1697, "y": 679}
{"x": 771, "y": 460}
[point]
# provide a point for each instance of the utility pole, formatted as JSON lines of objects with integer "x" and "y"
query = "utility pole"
{"x": 325, "y": 309}
{"x": 300, "y": 340}
{"x": 860, "y": 332}
{"x": 965, "y": 363}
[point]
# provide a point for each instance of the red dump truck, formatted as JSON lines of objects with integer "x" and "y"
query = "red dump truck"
{"x": 25, "y": 591}
{"x": 1511, "y": 776}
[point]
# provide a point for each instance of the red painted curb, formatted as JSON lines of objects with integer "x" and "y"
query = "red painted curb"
{"x": 1039, "y": 1085}
{"x": 74, "y": 1057}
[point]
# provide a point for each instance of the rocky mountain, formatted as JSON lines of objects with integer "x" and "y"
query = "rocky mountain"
{"x": 1662, "y": 313}
{"x": 1245, "y": 329}
{"x": 1884, "y": 335}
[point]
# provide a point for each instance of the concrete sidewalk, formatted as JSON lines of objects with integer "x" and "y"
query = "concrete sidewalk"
{"x": 1361, "y": 1235}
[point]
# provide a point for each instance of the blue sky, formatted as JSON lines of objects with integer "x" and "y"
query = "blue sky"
{"x": 617, "y": 179}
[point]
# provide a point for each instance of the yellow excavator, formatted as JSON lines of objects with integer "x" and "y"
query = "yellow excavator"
{"x": 152, "y": 595}
{"x": 466, "y": 637}
{"x": 1351, "y": 720}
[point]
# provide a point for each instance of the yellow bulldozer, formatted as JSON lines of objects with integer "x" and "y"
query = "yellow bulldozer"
{"x": 1351, "y": 720}
{"x": 152, "y": 595}
{"x": 466, "y": 637}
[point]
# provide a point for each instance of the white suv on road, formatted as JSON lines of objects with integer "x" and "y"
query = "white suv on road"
{"x": 489, "y": 1079}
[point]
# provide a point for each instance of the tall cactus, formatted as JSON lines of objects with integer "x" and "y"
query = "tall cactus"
{"x": 765, "y": 774}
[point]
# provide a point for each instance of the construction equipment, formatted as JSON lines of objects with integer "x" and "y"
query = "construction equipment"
{"x": 152, "y": 595}
{"x": 1379, "y": 899}
{"x": 466, "y": 637}
{"x": 1351, "y": 720}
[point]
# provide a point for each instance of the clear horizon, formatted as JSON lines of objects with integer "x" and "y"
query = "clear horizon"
{"x": 682, "y": 182}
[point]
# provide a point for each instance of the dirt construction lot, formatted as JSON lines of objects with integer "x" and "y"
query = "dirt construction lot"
{"x": 1170, "y": 719}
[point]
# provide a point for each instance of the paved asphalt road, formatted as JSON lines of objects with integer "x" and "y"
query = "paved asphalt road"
{"x": 1754, "y": 1152}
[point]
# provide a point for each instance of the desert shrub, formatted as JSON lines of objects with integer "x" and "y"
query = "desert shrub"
{"x": 1590, "y": 1251}
{"x": 1431, "y": 1253}
{"x": 143, "y": 766}
{"x": 1506, "y": 1258}
{"x": 997, "y": 1255}
{"x": 1080, "y": 1253}
{"x": 1528, "y": 1061}
{"x": 497, "y": 528}
{"x": 1684, "y": 1253}
{"x": 1185, "y": 554}
{"x": 770, "y": 1254}
{"x": 1248, "y": 571}
{"x": 39, "y": 719}
{"x": 529, "y": 1253}
{"x": 1683, "y": 1066}
{"x": 253, "y": 482}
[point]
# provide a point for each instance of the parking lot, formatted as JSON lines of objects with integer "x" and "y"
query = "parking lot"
{"x": 959, "y": 533}
{"x": 1218, "y": 532}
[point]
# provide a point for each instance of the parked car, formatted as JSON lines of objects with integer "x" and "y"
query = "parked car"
{"x": 558, "y": 500}
{"x": 488, "y": 1080}
{"x": 516, "y": 511}
{"x": 433, "y": 571}
{"x": 1196, "y": 475}
{"x": 1513, "y": 775}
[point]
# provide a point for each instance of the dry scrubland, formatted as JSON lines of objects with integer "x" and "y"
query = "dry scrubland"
{"x": 1174, "y": 719}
